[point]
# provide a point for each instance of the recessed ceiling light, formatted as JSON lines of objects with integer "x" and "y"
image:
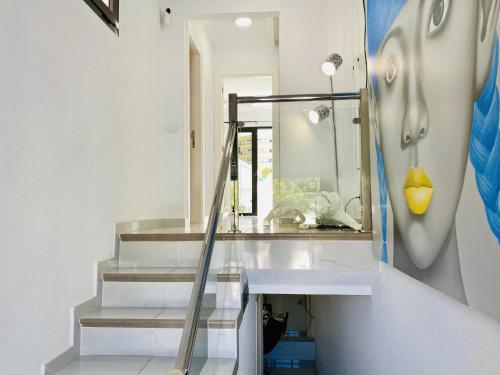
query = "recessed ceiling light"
{"x": 243, "y": 22}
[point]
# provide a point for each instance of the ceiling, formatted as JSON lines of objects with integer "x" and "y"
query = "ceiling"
{"x": 248, "y": 86}
{"x": 223, "y": 31}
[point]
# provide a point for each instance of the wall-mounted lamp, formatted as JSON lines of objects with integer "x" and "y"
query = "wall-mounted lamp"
{"x": 318, "y": 114}
{"x": 331, "y": 64}
{"x": 329, "y": 67}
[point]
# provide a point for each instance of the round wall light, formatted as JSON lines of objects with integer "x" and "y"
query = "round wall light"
{"x": 331, "y": 64}
{"x": 243, "y": 22}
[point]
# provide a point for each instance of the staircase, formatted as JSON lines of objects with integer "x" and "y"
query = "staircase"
{"x": 143, "y": 295}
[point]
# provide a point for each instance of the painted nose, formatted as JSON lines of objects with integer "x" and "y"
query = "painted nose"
{"x": 416, "y": 119}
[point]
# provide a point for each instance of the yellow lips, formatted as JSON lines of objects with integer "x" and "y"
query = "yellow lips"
{"x": 418, "y": 191}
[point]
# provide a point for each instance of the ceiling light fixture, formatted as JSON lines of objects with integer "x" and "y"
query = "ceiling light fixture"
{"x": 331, "y": 64}
{"x": 243, "y": 22}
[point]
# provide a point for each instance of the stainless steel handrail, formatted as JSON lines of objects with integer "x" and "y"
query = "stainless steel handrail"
{"x": 298, "y": 98}
{"x": 195, "y": 303}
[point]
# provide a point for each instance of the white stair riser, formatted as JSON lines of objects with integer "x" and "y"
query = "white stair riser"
{"x": 177, "y": 254}
{"x": 229, "y": 294}
{"x": 167, "y": 294}
{"x": 214, "y": 343}
{"x": 149, "y": 294}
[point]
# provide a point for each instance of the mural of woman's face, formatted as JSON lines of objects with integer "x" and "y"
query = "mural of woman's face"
{"x": 426, "y": 76}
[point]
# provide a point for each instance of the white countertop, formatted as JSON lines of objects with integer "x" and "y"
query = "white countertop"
{"x": 309, "y": 267}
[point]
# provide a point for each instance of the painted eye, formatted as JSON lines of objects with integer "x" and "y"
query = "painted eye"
{"x": 391, "y": 72}
{"x": 438, "y": 16}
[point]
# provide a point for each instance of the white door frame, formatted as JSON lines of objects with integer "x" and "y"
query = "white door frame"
{"x": 195, "y": 206}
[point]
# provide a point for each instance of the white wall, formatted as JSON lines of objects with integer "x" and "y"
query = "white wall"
{"x": 406, "y": 328}
{"x": 200, "y": 37}
{"x": 247, "y": 339}
{"x": 308, "y": 151}
{"x": 309, "y": 32}
{"x": 81, "y": 131}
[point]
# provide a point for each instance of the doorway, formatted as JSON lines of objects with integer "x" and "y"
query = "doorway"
{"x": 229, "y": 55}
{"x": 255, "y": 166}
{"x": 255, "y": 144}
{"x": 195, "y": 136}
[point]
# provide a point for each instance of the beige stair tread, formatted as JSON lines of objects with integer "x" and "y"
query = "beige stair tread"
{"x": 196, "y": 232}
{"x": 294, "y": 234}
{"x": 180, "y": 274}
{"x": 153, "y": 317}
{"x": 106, "y": 365}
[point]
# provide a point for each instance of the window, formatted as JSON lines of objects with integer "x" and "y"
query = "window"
{"x": 108, "y": 11}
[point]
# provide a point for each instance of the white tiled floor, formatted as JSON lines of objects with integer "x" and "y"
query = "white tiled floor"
{"x": 109, "y": 365}
{"x": 124, "y": 313}
{"x": 152, "y": 270}
{"x": 159, "y": 366}
{"x": 125, "y": 365}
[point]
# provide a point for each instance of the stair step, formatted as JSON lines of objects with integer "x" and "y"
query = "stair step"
{"x": 156, "y": 331}
{"x": 175, "y": 253}
{"x": 169, "y": 287}
{"x": 172, "y": 275}
{"x": 131, "y": 365}
{"x": 136, "y": 317}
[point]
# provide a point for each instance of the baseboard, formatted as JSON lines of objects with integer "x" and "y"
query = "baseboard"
{"x": 65, "y": 358}
{"x": 61, "y": 361}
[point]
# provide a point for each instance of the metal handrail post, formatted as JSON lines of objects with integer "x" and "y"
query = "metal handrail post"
{"x": 233, "y": 118}
{"x": 366, "y": 197}
{"x": 195, "y": 303}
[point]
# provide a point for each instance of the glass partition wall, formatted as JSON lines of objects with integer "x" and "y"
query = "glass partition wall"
{"x": 307, "y": 169}
{"x": 300, "y": 164}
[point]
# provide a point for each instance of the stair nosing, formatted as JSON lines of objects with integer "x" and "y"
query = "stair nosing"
{"x": 156, "y": 320}
{"x": 164, "y": 277}
{"x": 186, "y": 237}
{"x": 154, "y": 323}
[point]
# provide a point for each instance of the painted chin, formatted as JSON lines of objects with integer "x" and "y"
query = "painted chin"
{"x": 420, "y": 245}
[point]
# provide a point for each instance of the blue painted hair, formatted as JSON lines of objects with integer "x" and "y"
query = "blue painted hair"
{"x": 485, "y": 135}
{"x": 485, "y": 146}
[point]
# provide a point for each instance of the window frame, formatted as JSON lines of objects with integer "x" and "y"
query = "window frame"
{"x": 254, "y": 131}
{"x": 110, "y": 15}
